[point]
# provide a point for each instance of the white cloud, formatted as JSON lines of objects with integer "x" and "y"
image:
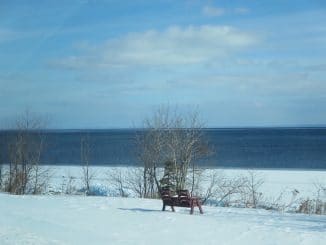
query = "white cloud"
{"x": 213, "y": 11}
{"x": 255, "y": 83}
{"x": 173, "y": 46}
{"x": 241, "y": 10}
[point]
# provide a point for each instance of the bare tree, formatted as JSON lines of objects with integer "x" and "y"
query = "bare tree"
{"x": 40, "y": 174}
{"x": 88, "y": 174}
{"x": 1, "y": 169}
{"x": 3, "y": 140}
{"x": 175, "y": 141}
{"x": 25, "y": 147}
{"x": 150, "y": 153}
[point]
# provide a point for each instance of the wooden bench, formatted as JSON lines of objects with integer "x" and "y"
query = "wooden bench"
{"x": 183, "y": 199}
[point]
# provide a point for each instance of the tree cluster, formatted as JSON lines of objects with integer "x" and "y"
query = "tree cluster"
{"x": 25, "y": 145}
{"x": 174, "y": 141}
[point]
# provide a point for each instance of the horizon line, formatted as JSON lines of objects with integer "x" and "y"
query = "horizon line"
{"x": 204, "y": 128}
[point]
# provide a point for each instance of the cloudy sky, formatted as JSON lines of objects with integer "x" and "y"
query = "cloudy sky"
{"x": 102, "y": 63}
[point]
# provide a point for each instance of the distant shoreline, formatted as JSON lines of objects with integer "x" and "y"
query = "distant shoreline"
{"x": 78, "y": 130}
{"x": 204, "y": 167}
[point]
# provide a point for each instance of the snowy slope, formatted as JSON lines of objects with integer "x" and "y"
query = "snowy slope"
{"x": 105, "y": 220}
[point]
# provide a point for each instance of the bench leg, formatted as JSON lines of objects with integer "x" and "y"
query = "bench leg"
{"x": 198, "y": 203}
{"x": 192, "y": 209}
{"x": 172, "y": 207}
{"x": 200, "y": 209}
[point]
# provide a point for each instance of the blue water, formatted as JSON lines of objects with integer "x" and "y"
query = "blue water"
{"x": 242, "y": 147}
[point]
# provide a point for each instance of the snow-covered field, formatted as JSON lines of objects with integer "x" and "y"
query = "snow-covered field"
{"x": 71, "y": 219}
{"x": 107, "y": 220}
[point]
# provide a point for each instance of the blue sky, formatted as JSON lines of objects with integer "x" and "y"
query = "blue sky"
{"x": 102, "y": 64}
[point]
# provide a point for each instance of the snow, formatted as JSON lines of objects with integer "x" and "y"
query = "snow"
{"x": 107, "y": 220}
{"x": 275, "y": 181}
{"x": 79, "y": 219}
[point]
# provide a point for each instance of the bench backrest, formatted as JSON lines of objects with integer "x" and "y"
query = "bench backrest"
{"x": 183, "y": 197}
{"x": 166, "y": 195}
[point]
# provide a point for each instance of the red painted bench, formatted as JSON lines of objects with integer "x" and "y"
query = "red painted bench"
{"x": 182, "y": 200}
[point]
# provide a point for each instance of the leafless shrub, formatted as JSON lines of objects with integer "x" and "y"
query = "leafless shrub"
{"x": 240, "y": 191}
{"x": 40, "y": 179}
{"x": 229, "y": 190}
{"x": 129, "y": 182}
{"x": 135, "y": 183}
{"x": 251, "y": 195}
{"x": 222, "y": 190}
{"x": 118, "y": 180}
{"x": 316, "y": 205}
{"x": 1, "y": 170}
{"x": 87, "y": 174}
{"x": 25, "y": 175}
{"x": 282, "y": 202}
{"x": 68, "y": 185}
{"x": 312, "y": 206}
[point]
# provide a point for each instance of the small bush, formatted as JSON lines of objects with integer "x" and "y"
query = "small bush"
{"x": 312, "y": 206}
{"x": 97, "y": 190}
